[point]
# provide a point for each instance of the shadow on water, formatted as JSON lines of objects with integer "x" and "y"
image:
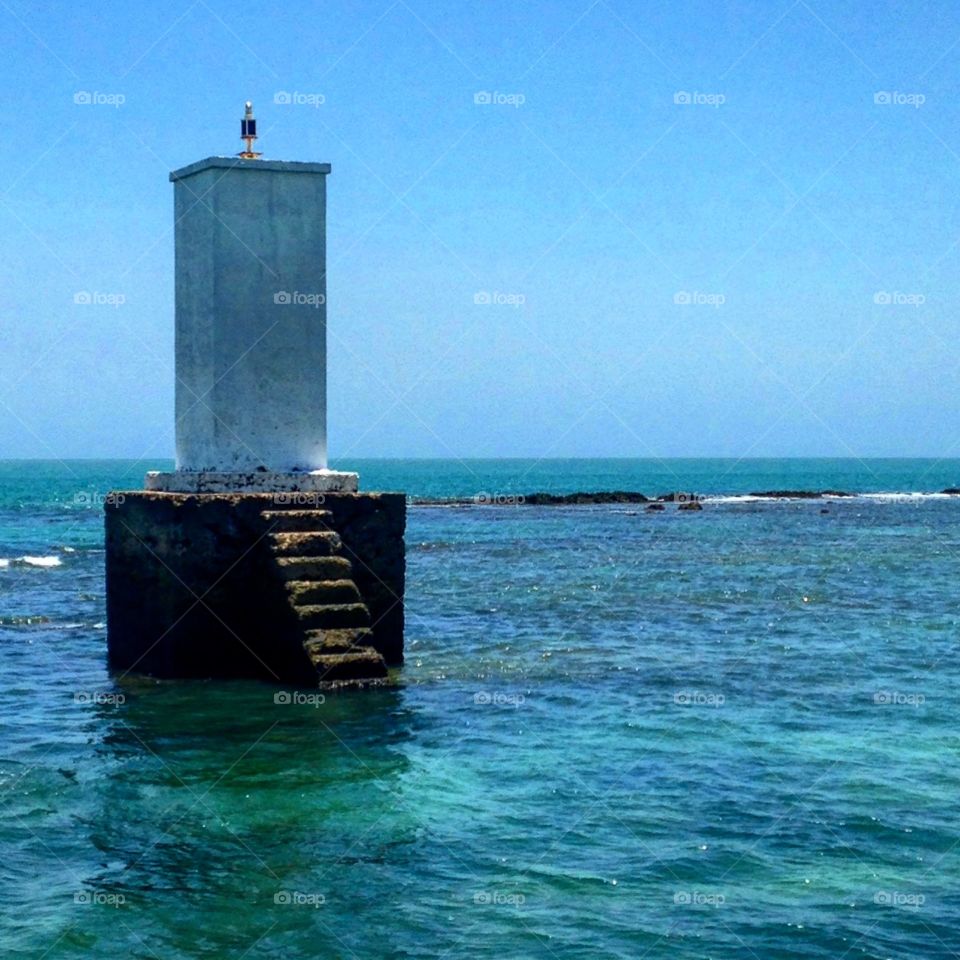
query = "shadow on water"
{"x": 269, "y": 811}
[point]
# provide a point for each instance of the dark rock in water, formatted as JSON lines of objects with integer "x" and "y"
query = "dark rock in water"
{"x": 953, "y": 491}
{"x": 656, "y": 506}
{"x": 602, "y": 496}
{"x": 800, "y": 494}
{"x": 824, "y": 510}
{"x": 691, "y": 505}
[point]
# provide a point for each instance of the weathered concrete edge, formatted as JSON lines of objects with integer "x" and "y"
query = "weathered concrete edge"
{"x": 253, "y": 481}
{"x": 290, "y": 166}
{"x": 285, "y": 497}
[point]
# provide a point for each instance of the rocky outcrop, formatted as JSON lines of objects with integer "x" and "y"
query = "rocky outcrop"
{"x": 562, "y": 499}
{"x": 537, "y": 499}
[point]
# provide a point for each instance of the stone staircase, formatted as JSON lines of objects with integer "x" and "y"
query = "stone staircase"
{"x": 333, "y": 620}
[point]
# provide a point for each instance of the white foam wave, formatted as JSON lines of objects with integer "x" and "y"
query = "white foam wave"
{"x": 26, "y": 561}
{"x": 740, "y": 498}
{"x": 907, "y": 497}
{"x": 890, "y": 497}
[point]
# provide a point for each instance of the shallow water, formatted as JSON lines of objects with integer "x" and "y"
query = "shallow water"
{"x": 618, "y": 733}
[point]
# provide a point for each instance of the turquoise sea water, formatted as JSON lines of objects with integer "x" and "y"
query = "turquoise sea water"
{"x": 623, "y": 734}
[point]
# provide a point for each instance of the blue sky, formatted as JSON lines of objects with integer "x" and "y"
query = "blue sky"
{"x": 766, "y": 267}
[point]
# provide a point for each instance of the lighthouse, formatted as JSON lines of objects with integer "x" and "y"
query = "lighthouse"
{"x": 251, "y": 326}
{"x": 252, "y": 558}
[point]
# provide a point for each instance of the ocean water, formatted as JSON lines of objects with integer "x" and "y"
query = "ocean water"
{"x": 731, "y": 733}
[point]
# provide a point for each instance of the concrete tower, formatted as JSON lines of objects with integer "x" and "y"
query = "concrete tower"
{"x": 251, "y": 328}
{"x": 252, "y": 558}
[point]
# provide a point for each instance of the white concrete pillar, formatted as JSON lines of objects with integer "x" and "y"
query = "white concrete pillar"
{"x": 251, "y": 315}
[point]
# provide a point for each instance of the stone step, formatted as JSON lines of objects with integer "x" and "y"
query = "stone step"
{"x": 337, "y": 641}
{"x": 332, "y": 615}
{"x": 313, "y": 568}
{"x": 297, "y": 520}
{"x": 304, "y": 592}
{"x": 357, "y": 666}
{"x": 317, "y": 544}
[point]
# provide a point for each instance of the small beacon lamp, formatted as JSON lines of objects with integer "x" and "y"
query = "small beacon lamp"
{"x": 248, "y": 132}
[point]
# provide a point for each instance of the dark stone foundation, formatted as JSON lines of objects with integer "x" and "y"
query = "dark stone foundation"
{"x": 240, "y": 585}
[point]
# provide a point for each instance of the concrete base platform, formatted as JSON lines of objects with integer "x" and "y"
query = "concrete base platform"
{"x": 257, "y": 481}
{"x": 256, "y": 585}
